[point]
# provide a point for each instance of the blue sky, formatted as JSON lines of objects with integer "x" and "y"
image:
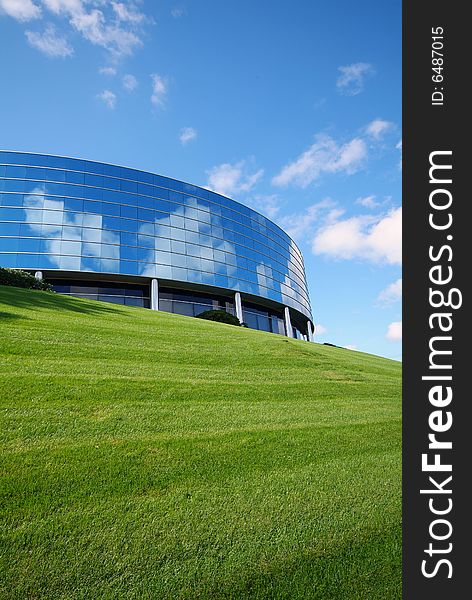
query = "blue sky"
{"x": 293, "y": 108}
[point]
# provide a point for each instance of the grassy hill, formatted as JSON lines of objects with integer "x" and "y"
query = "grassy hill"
{"x": 148, "y": 455}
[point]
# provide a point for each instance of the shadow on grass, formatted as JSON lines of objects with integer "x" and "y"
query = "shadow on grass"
{"x": 11, "y": 316}
{"x": 34, "y": 299}
{"x": 369, "y": 567}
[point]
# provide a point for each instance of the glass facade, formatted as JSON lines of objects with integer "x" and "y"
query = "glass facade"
{"x": 68, "y": 215}
{"x": 129, "y": 294}
{"x": 257, "y": 317}
{"x": 192, "y": 304}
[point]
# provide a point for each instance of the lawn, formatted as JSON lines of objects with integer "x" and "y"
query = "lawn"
{"x": 152, "y": 456}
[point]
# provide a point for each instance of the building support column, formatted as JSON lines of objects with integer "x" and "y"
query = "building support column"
{"x": 288, "y": 323}
{"x": 310, "y": 331}
{"x": 38, "y": 275}
{"x": 154, "y": 294}
{"x": 238, "y": 306}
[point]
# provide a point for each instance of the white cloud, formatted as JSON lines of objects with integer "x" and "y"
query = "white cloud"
{"x": 108, "y": 97}
{"x": 351, "y": 347}
{"x": 111, "y": 71}
{"x": 392, "y": 293}
{"x": 378, "y": 127}
{"x": 399, "y": 146}
{"x": 267, "y": 204}
{"x": 187, "y": 134}
{"x": 129, "y": 82}
{"x": 36, "y": 204}
{"x": 119, "y": 36}
{"x": 324, "y": 156}
{"x": 21, "y": 10}
{"x": 377, "y": 239}
{"x": 352, "y": 78}
{"x": 115, "y": 26}
{"x": 368, "y": 202}
{"x": 49, "y": 42}
{"x": 373, "y": 202}
{"x": 394, "y": 331}
{"x": 298, "y": 225}
{"x": 159, "y": 90}
{"x": 229, "y": 178}
{"x": 178, "y": 11}
{"x": 118, "y": 41}
{"x": 127, "y": 12}
{"x": 320, "y": 329}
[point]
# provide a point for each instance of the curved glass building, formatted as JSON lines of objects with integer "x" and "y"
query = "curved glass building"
{"x": 121, "y": 235}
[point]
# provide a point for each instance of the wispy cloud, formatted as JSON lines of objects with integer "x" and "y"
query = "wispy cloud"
{"x": 300, "y": 225}
{"x": 394, "y": 332}
{"x": 352, "y": 78}
{"x": 108, "y": 97}
{"x": 373, "y": 238}
{"x": 187, "y": 134}
{"x": 229, "y": 178}
{"x": 21, "y": 10}
{"x": 178, "y": 11}
{"x": 267, "y": 204}
{"x": 93, "y": 25}
{"x": 128, "y": 12}
{"x": 324, "y": 156}
{"x": 391, "y": 294}
{"x": 368, "y": 202}
{"x": 49, "y": 42}
{"x": 114, "y": 26}
{"x": 373, "y": 201}
{"x": 129, "y": 82}
{"x": 399, "y": 146}
{"x": 110, "y": 71}
{"x": 320, "y": 329}
{"x": 378, "y": 127}
{"x": 159, "y": 90}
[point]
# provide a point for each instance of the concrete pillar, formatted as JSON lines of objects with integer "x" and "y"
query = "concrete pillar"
{"x": 39, "y": 275}
{"x": 310, "y": 331}
{"x": 288, "y": 323}
{"x": 154, "y": 294}
{"x": 238, "y": 306}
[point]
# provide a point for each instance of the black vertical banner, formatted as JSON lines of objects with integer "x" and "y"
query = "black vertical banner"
{"x": 437, "y": 238}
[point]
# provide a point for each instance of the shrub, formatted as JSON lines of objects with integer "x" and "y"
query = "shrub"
{"x": 22, "y": 279}
{"x": 221, "y": 316}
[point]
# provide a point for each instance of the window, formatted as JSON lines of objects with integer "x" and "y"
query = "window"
{"x": 73, "y": 204}
{"x": 72, "y": 177}
{"x": 128, "y": 239}
{"x": 128, "y": 253}
{"x": 93, "y": 180}
{"x": 129, "y": 186}
{"x": 111, "y": 209}
{"x": 17, "y": 172}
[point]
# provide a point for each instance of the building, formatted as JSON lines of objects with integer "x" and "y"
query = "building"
{"x": 121, "y": 235}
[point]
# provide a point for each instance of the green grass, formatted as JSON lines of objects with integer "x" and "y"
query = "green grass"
{"x": 148, "y": 455}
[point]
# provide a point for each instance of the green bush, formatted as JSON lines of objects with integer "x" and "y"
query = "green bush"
{"x": 221, "y": 316}
{"x": 22, "y": 279}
